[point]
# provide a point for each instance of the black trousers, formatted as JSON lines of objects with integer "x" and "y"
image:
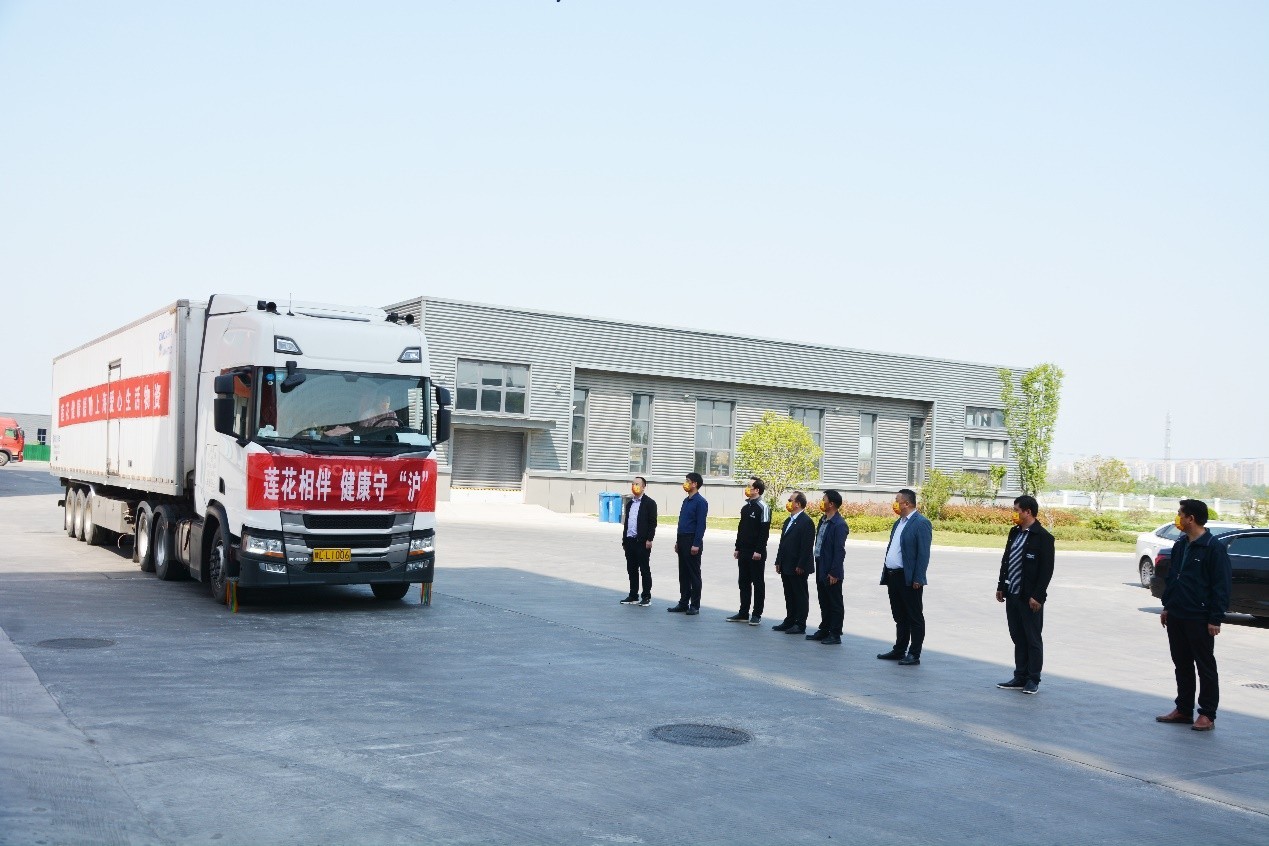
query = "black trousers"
{"x": 637, "y": 564}
{"x": 1193, "y": 648}
{"x": 908, "y": 612}
{"x": 1025, "y": 627}
{"x": 689, "y": 573}
{"x": 752, "y": 579}
{"x": 832, "y": 607}
{"x": 797, "y": 598}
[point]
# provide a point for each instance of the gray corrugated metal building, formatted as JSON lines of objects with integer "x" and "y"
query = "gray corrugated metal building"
{"x": 561, "y": 407}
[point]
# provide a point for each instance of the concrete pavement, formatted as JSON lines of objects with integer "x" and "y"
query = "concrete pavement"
{"x": 518, "y": 708}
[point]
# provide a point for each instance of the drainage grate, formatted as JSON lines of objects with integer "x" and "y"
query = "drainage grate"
{"x": 694, "y": 734}
{"x": 1257, "y": 685}
{"x": 76, "y": 643}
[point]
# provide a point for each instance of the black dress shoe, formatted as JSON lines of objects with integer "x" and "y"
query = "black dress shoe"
{"x": 909, "y": 661}
{"x": 782, "y": 627}
{"x": 677, "y": 609}
{"x": 692, "y": 612}
{"x": 795, "y": 629}
{"x": 820, "y": 634}
{"x": 892, "y": 655}
{"x": 832, "y": 640}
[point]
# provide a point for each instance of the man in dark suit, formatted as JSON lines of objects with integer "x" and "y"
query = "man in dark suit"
{"x": 903, "y": 574}
{"x": 830, "y": 560}
{"x": 638, "y": 528}
{"x": 795, "y": 561}
{"x": 1026, "y": 568}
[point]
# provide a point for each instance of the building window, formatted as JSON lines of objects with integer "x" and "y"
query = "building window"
{"x": 41, "y": 436}
{"x": 813, "y": 419}
{"x": 492, "y": 386}
{"x": 867, "y": 447}
{"x": 640, "y": 432}
{"x": 916, "y": 450}
{"x": 984, "y": 448}
{"x": 984, "y": 418}
{"x": 713, "y": 437}
{"x": 578, "y": 454}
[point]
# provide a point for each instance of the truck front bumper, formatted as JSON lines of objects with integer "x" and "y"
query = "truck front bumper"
{"x": 258, "y": 571}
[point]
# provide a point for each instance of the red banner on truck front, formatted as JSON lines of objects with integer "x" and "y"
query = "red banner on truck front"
{"x": 340, "y": 483}
{"x": 136, "y": 396}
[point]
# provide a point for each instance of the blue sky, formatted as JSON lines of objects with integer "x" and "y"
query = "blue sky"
{"x": 1082, "y": 183}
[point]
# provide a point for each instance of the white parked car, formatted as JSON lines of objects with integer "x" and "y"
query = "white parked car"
{"x": 1149, "y": 544}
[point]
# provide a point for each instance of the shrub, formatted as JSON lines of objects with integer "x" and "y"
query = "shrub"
{"x": 868, "y": 523}
{"x": 978, "y": 514}
{"x": 1054, "y": 518}
{"x": 1104, "y": 523}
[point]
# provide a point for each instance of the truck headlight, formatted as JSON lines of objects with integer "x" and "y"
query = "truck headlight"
{"x": 253, "y": 544}
{"x": 424, "y": 545}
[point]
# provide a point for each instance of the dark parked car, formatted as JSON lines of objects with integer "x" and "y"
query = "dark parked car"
{"x": 1249, "y": 560}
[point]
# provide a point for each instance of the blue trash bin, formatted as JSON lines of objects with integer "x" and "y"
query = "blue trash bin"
{"x": 610, "y": 507}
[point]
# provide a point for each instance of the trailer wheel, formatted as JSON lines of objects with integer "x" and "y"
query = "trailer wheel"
{"x": 218, "y": 564}
{"x": 93, "y": 534}
{"x": 68, "y": 512}
{"x": 163, "y": 543}
{"x": 81, "y": 502}
{"x": 390, "y": 592}
{"x": 142, "y": 546}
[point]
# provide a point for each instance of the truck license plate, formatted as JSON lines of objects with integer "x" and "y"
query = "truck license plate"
{"x": 337, "y": 555}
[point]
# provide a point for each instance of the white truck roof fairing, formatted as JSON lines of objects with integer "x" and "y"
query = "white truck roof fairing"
{"x": 329, "y": 337}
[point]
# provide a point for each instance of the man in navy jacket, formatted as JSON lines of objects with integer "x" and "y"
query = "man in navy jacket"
{"x": 691, "y": 538}
{"x": 903, "y": 574}
{"x": 1194, "y": 604}
{"x": 830, "y": 559}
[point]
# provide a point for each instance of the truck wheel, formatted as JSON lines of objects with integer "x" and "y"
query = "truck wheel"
{"x": 68, "y": 512}
{"x": 388, "y": 592}
{"x": 163, "y": 543}
{"x": 142, "y": 546}
{"x": 4, "y": 458}
{"x": 218, "y": 564}
{"x": 92, "y": 532}
{"x": 81, "y": 502}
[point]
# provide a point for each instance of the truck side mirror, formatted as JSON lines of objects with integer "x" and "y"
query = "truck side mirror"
{"x": 223, "y": 410}
{"x": 442, "y": 426}
{"x": 224, "y": 384}
{"x": 442, "y": 396}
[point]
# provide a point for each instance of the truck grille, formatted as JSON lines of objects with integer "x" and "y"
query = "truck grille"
{"x": 347, "y": 522}
{"x": 354, "y": 541}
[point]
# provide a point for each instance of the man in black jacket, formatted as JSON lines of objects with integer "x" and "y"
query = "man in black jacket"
{"x": 638, "y": 528}
{"x": 1194, "y": 604}
{"x": 1026, "y": 568}
{"x": 795, "y": 561}
{"x": 751, "y": 552}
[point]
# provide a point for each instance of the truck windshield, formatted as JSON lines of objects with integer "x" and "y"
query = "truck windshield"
{"x": 335, "y": 411}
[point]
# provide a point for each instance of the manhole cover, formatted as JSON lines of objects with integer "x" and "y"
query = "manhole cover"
{"x": 1257, "y": 685}
{"x": 692, "y": 734}
{"x": 76, "y": 643}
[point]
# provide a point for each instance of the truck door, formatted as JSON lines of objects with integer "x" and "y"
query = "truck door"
{"x": 112, "y": 420}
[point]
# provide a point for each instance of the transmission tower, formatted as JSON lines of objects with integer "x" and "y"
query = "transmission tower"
{"x": 1167, "y": 437}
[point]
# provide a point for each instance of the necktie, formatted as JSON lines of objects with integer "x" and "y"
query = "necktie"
{"x": 1015, "y": 563}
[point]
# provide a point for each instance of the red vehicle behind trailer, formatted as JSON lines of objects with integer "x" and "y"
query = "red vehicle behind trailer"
{"x": 12, "y": 440}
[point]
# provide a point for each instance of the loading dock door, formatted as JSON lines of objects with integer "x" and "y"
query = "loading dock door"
{"x": 488, "y": 459}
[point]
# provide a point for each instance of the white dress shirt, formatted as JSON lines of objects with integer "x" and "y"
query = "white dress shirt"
{"x": 894, "y": 558}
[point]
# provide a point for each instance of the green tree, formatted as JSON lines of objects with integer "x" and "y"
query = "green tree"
{"x": 780, "y": 451}
{"x": 1031, "y": 410}
{"x": 972, "y": 487}
{"x": 1099, "y": 476}
{"x": 996, "y": 479}
{"x": 937, "y": 490}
